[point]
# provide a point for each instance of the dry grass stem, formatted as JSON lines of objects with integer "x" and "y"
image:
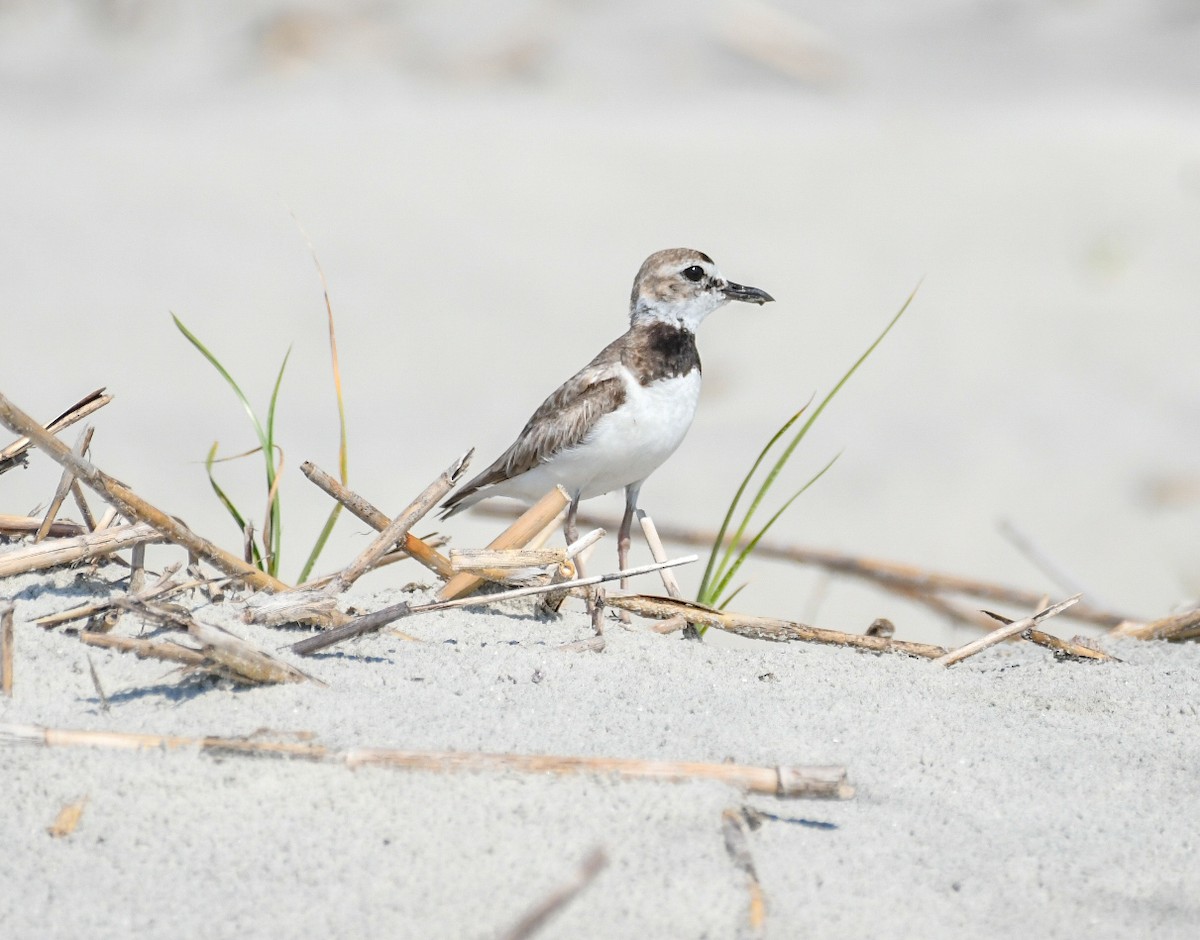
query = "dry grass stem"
{"x": 1004, "y": 632}
{"x": 85, "y": 510}
{"x": 130, "y": 504}
{"x": 398, "y": 527}
{"x": 814, "y": 782}
{"x": 246, "y": 661}
{"x": 539, "y": 915}
{"x": 517, "y": 535}
{"x": 381, "y": 618}
{"x": 23, "y": 525}
{"x": 165, "y": 650}
{"x": 14, "y": 453}
{"x": 764, "y": 628}
{"x": 65, "y": 483}
{"x": 418, "y": 549}
{"x": 737, "y": 845}
{"x": 893, "y": 576}
{"x": 658, "y": 553}
{"x": 479, "y": 560}
{"x": 6, "y": 649}
{"x": 1184, "y": 625}
{"x": 1077, "y": 649}
{"x": 160, "y": 588}
{"x": 137, "y": 569}
{"x": 67, "y": 551}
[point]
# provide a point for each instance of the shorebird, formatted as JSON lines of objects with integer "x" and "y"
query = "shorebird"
{"x": 618, "y": 418}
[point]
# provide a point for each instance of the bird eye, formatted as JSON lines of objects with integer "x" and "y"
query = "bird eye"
{"x": 694, "y": 273}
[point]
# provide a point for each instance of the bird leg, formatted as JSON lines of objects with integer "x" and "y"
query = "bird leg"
{"x": 623, "y": 537}
{"x": 595, "y": 598}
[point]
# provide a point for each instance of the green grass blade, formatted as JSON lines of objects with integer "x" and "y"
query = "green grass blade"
{"x": 273, "y": 539}
{"x": 191, "y": 337}
{"x": 228, "y": 503}
{"x": 729, "y": 599}
{"x": 753, "y": 543}
{"x": 718, "y": 544}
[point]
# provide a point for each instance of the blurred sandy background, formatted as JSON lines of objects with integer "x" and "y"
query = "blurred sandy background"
{"x": 481, "y": 185}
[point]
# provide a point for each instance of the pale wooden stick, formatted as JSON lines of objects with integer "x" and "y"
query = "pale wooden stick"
{"x": 6, "y": 649}
{"x": 888, "y": 574}
{"x": 132, "y": 505}
{"x": 533, "y": 921}
{"x": 418, "y": 549}
{"x": 381, "y": 618}
{"x": 77, "y": 412}
{"x": 137, "y": 569}
{"x": 110, "y": 516}
{"x": 530, "y": 523}
{"x": 398, "y": 527}
{"x": 84, "y": 509}
{"x": 820, "y": 782}
{"x": 65, "y": 551}
{"x": 658, "y": 553}
{"x": 479, "y": 560}
{"x": 1071, "y": 649}
{"x": 1004, "y": 632}
{"x": 764, "y": 628}
{"x": 168, "y": 650}
{"x": 1184, "y": 625}
{"x": 22, "y": 525}
{"x": 64, "y": 483}
{"x": 247, "y": 661}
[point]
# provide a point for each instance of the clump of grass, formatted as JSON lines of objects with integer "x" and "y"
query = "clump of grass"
{"x": 265, "y": 552}
{"x": 728, "y": 555}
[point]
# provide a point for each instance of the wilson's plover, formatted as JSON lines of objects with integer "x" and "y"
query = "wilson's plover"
{"x": 616, "y": 420}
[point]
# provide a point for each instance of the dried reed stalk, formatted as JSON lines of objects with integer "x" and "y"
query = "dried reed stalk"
{"x": 1184, "y": 625}
{"x": 1003, "y": 633}
{"x": 658, "y": 553}
{"x": 480, "y": 560}
{"x": 66, "y": 551}
{"x": 311, "y": 607}
{"x": 6, "y": 649}
{"x": 816, "y": 782}
{"x": 163, "y": 586}
{"x": 65, "y": 483}
{"x": 893, "y": 576}
{"x": 1068, "y": 649}
{"x": 764, "y": 628}
{"x": 398, "y": 527}
{"x": 130, "y": 504}
{"x": 517, "y": 535}
{"x": 538, "y": 916}
{"x": 15, "y": 452}
{"x": 166, "y": 650}
{"x": 245, "y": 660}
{"x": 369, "y": 623}
{"x": 85, "y": 510}
{"x": 418, "y": 549}
{"x": 23, "y": 525}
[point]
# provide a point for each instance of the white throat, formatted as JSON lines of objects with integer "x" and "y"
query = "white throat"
{"x": 686, "y": 314}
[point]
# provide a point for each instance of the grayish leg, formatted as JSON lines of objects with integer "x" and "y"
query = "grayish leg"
{"x": 623, "y": 537}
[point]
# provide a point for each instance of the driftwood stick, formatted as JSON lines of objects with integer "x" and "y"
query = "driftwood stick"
{"x": 418, "y": 549}
{"x": 819, "y": 782}
{"x": 381, "y": 618}
{"x": 6, "y": 649}
{"x": 64, "y": 484}
{"x": 398, "y": 527}
{"x": 538, "y": 916}
{"x": 517, "y": 535}
{"x": 1004, "y": 632}
{"x": 130, "y": 504}
{"x": 23, "y": 525}
{"x": 66, "y": 551}
{"x": 1184, "y": 625}
{"x": 764, "y": 628}
{"x": 658, "y": 553}
{"x": 887, "y": 574}
{"x": 15, "y": 452}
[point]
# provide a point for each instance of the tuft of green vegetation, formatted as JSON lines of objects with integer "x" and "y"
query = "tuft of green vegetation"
{"x": 265, "y": 551}
{"x": 728, "y": 554}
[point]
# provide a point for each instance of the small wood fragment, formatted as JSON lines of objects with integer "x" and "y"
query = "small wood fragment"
{"x": 243, "y": 659}
{"x": 1184, "y": 625}
{"x": 311, "y": 607}
{"x": 164, "y": 650}
{"x": 67, "y": 820}
{"x": 507, "y": 559}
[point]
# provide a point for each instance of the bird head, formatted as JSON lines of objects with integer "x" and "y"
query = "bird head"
{"x": 682, "y": 286}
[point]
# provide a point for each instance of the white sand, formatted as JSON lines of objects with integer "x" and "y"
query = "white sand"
{"x": 1038, "y": 167}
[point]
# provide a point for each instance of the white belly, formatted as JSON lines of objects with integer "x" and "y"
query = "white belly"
{"x": 624, "y": 447}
